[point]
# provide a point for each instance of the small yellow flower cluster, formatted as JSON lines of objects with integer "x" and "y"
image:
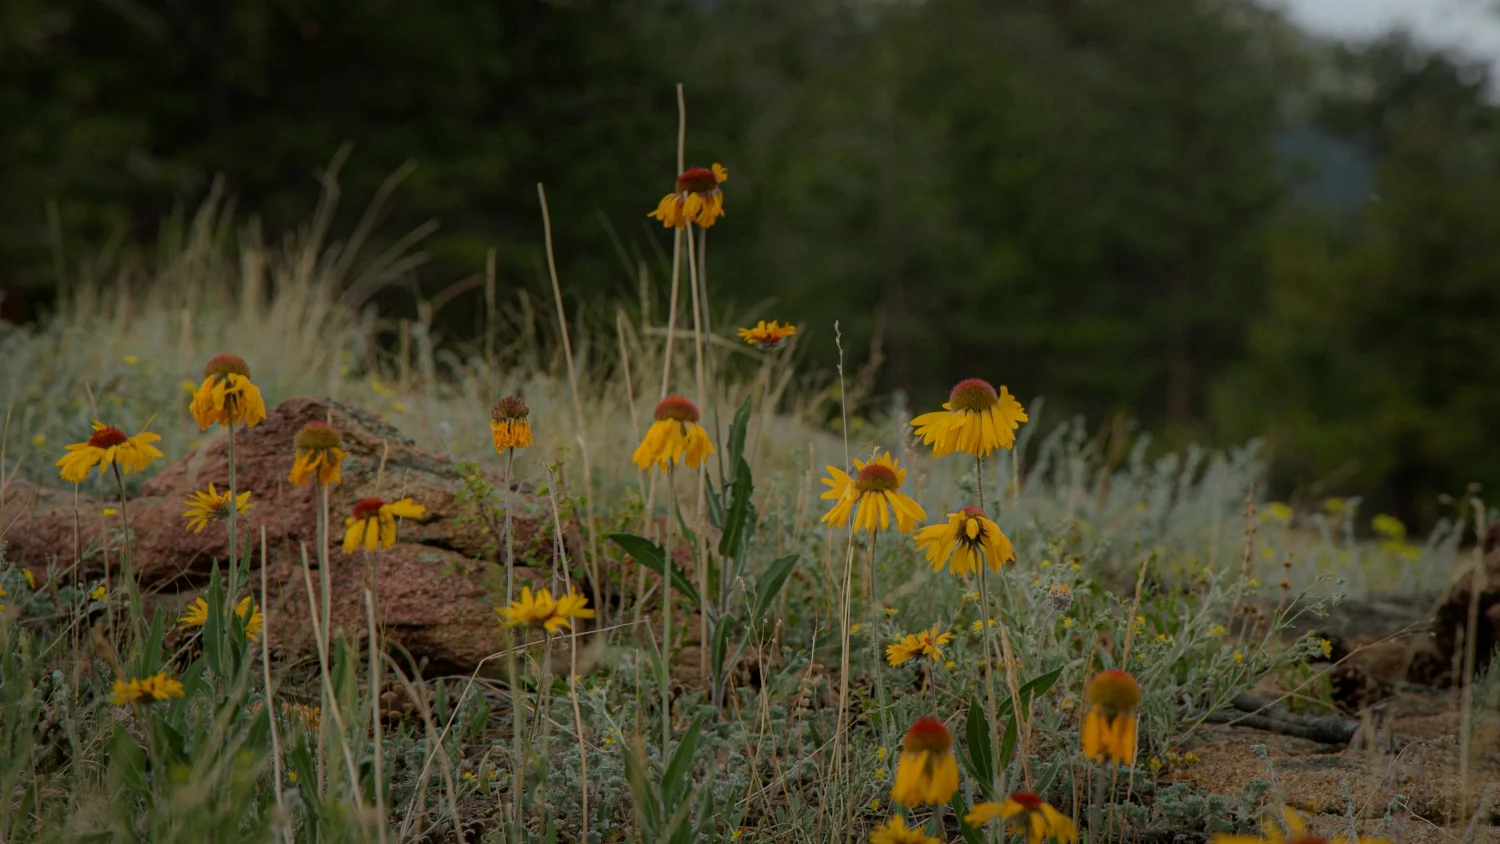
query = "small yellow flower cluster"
{"x": 145, "y": 690}
{"x": 540, "y": 609}
{"x": 197, "y": 616}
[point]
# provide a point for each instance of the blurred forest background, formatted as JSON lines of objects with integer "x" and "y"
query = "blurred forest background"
{"x": 1187, "y": 212}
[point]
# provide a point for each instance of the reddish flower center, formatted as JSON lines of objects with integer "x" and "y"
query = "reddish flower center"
{"x": 697, "y": 180}
{"x": 1028, "y": 800}
{"x": 677, "y": 408}
{"x": 510, "y": 407}
{"x": 1114, "y": 691}
{"x": 973, "y": 394}
{"x": 972, "y": 512}
{"x": 927, "y": 734}
{"x": 368, "y": 508}
{"x": 876, "y": 477}
{"x": 222, "y": 365}
{"x": 316, "y": 436}
{"x": 108, "y": 438}
{"x": 1309, "y": 839}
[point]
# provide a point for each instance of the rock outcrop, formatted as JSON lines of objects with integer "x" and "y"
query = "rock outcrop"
{"x": 1450, "y": 622}
{"x": 432, "y": 587}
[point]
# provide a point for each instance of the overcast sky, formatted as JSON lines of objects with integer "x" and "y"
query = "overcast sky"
{"x": 1472, "y": 26}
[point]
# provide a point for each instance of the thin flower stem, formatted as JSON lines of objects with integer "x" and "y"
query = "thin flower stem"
{"x": 321, "y": 611}
{"x": 1023, "y": 727}
{"x": 702, "y": 510}
{"x": 874, "y": 611}
{"x": 136, "y": 617}
{"x": 234, "y": 535}
{"x": 510, "y": 545}
{"x": 518, "y": 732}
{"x": 331, "y": 710}
{"x": 543, "y": 724}
{"x": 666, "y": 618}
{"x": 989, "y": 651}
{"x": 270, "y": 688}
{"x": 377, "y": 679}
{"x": 708, "y": 357}
{"x": 124, "y": 510}
{"x": 766, "y": 369}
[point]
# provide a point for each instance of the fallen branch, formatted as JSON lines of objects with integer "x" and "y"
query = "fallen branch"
{"x": 1261, "y": 714}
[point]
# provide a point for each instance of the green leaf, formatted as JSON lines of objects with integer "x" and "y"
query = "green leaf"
{"x": 979, "y": 760}
{"x": 678, "y": 776}
{"x": 769, "y": 584}
{"x": 642, "y": 792}
{"x": 972, "y": 835}
{"x": 738, "y": 524}
{"x": 1028, "y": 692}
{"x": 651, "y": 555}
{"x": 737, "y": 431}
{"x": 723, "y": 627}
{"x": 127, "y": 766}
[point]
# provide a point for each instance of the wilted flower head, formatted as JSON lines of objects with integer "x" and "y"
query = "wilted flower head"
{"x": 319, "y": 454}
{"x": 698, "y": 199}
{"x": 975, "y": 420}
{"x": 927, "y": 773}
{"x": 965, "y": 542}
{"x": 227, "y": 395}
{"x": 1109, "y": 726}
{"x": 1060, "y": 597}
{"x": 674, "y": 437}
{"x": 510, "y": 426}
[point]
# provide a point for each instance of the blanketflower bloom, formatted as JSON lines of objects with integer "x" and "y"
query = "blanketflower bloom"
{"x": 768, "y": 335}
{"x": 927, "y": 773}
{"x": 145, "y": 690}
{"x": 212, "y": 506}
{"x": 967, "y": 541}
{"x": 1295, "y": 833}
{"x": 675, "y": 437}
{"x": 196, "y": 615}
{"x": 975, "y": 420}
{"x": 928, "y": 643}
{"x": 1029, "y": 814}
{"x": 895, "y": 831}
{"x": 871, "y": 495}
{"x": 539, "y": 609}
{"x": 108, "y": 446}
{"x": 1109, "y": 726}
{"x": 373, "y": 523}
{"x": 227, "y": 395}
{"x": 320, "y": 454}
{"x": 698, "y": 199}
{"x": 509, "y": 424}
